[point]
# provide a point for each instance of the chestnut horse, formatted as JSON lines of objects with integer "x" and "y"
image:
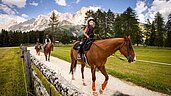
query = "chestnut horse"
{"x": 97, "y": 57}
{"x": 48, "y": 50}
{"x": 38, "y": 48}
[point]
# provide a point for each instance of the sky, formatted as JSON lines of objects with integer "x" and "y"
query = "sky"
{"x": 22, "y": 10}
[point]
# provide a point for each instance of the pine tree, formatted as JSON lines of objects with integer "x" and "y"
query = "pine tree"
{"x": 100, "y": 23}
{"x": 168, "y": 28}
{"x": 160, "y": 31}
{"x": 148, "y": 32}
{"x": 130, "y": 26}
{"x": 5, "y": 38}
{"x": 54, "y": 24}
{"x": 109, "y": 24}
{"x": 117, "y": 26}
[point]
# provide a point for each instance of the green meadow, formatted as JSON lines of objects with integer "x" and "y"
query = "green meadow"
{"x": 11, "y": 72}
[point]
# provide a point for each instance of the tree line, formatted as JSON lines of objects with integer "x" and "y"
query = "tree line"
{"x": 109, "y": 25}
{"x": 15, "y": 38}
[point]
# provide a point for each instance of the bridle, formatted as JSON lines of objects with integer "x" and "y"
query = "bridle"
{"x": 128, "y": 44}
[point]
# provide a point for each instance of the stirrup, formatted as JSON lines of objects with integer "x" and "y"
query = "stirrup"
{"x": 79, "y": 56}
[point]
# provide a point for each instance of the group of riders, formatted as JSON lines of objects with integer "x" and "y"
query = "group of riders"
{"x": 88, "y": 34}
{"x": 46, "y": 42}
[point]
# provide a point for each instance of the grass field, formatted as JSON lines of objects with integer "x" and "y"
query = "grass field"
{"x": 11, "y": 73}
{"x": 152, "y": 76}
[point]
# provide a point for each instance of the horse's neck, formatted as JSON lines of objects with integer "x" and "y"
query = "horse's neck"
{"x": 50, "y": 46}
{"x": 109, "y": 46}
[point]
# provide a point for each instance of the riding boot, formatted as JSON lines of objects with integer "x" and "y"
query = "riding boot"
{"x": 45, "y": 46}
{"x": 79, "y": 53}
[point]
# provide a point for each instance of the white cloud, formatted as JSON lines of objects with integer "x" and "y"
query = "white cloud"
{"x": 24, "y": 15}
{"x": 77, "y": 1}
{"x": 140, "y": 9}
{"x": 162, "y": 6}
{"x": 18, "y": 3}
{"x": 8, "y": 20}
{"x": 94, "y": 8}
{"x": 6, "y": 9}
{"x": 4, "y": 18}
{"x": 61, "y": 2}
{"x": 143, "y": 12}
{"x": 34, "y": 3}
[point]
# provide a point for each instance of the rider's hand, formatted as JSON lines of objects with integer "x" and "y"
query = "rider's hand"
{"x": 88, "y": 37}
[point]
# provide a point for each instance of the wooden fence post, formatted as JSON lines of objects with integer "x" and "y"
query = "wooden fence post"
{"x": 27, "y": 60}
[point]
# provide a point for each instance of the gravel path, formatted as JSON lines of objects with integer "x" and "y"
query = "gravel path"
{"x": 115, "y": 87}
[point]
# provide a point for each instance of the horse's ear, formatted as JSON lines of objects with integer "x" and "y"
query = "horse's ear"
{"x": 129, "y": 37}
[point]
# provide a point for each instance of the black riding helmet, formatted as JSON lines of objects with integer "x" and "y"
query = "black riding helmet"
{"x": 91, "y": 20}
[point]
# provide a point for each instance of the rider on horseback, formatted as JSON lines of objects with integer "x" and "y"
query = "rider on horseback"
{"x": 37, "y": 43}
{"x": 88, "y": 35}
{"x": 47, "y": 41}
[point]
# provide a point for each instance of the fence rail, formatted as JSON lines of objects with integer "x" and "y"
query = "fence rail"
{"x": 60, "y": 83}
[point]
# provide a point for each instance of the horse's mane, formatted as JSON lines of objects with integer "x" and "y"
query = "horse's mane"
{"x": 109, "y": 40}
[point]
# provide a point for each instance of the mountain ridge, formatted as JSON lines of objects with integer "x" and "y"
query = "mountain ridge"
{"x": 42, "y": 21}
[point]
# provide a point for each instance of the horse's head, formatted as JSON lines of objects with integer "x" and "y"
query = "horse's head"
{"x": 127, "y": 50}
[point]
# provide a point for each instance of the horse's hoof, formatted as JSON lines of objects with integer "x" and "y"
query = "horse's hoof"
{"x": 101, "y": 91}
{"x": 73, "y": 78}
{"x": 84, "y": 84}
{"x": 95, "y": 93}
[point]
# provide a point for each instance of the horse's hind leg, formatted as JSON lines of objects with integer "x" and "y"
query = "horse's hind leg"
{"x": 103, "y": 71}
{"x": 82, "y": 71}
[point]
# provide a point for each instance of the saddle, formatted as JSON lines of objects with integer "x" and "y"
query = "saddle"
{"x": 86, "y": 46}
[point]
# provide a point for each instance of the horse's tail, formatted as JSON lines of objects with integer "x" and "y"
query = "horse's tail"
{"x": 73, "y": 68}
{"x": 73, "y": 61}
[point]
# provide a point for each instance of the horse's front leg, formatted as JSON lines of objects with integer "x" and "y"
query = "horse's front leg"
{"x": 49, "y": 57}
{"x": 93, "y": 70}
{"x": 45, "y": 56}
{"x": 103, "y": 71}
{"x": 82, "y": 71}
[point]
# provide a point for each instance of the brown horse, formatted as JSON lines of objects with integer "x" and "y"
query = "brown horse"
{"x": 97, "y": 57}
{"x": 48, "y": 50}
{"x": 38, "y": 48}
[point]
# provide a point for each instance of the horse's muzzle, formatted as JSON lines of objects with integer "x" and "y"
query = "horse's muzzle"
{"x": 131, "y": 60}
